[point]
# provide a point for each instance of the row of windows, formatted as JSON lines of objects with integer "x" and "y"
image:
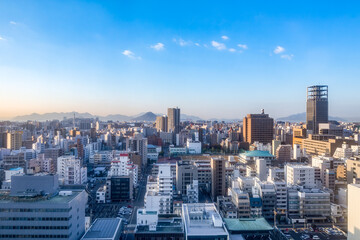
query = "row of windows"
{"x": 35, "y": 219}
{"x": 35, "y": 227}
{"x": 35, "y": 209}
{"x": 33, "y": 236}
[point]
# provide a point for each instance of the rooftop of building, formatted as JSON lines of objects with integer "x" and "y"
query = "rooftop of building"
{"x": 16, "y": 169}
{"x": 299, "y": 166}
{"x": 48, "y": 199}
{"x": 243, "y": 225}
{"x": 202, "y": 219}
{"x": 103, "y": 228}
{"x": 165, "y": 224}
{"x": 257, "y": 153}
{"x": 152, "y": 146}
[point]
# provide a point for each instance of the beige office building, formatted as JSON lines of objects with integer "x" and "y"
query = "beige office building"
{"x": 14, "y": 140}
{"x": 161, "y": 123}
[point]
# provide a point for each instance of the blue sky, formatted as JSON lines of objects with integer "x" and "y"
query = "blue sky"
{"x": 212, "y": 59}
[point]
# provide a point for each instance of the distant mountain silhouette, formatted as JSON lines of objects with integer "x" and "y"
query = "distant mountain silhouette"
{"x": 301, "y": 117}
{"x": 148, "y": 117}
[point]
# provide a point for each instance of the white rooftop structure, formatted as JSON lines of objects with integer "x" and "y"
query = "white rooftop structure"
{"x": 202, "y": 219}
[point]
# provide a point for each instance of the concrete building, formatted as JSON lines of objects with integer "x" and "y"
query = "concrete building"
{"x": 159, "y": 191}
{"x": 353, "y": 211}
{"x": 300, "y": 175}
{"x": 43, "y": 213}
{"x": 161, "y": 123}
{"x": 193, "y": 147}
{"x": 138, "y": 144}
{"x": 241, "y": 201}
{"x": 202, "y": 220}
{"x": 14, "y": 161}
{"x": 70, "y": 171}
{"x": 101, "y": 194}
{"x": 324, "y": 145}
{"x": 284, "y": 153}
{"x": 353, "y": 169}
{"x": 123, "y": 166}
{"x": 151, "y": 225}
{"x": 14, "y": 140}
{"x": 330, "y": 129}
{"x": 173, "y": 120}
{"x": 104, "y": 229}
{"x": 217, "y": 177}
{"x": 261, "y": 170}
{"x": 316, "y": 107}
{"x": 250, "y": 157}
{"x": 297, "y": 152}
{"x": 268, "y": 196}
{"x": 258, "y": 127}
{"x": 308, "y": 205}
{"x": 299, "y": 134}
{"x": 186, "y": 173}
{"x": 274, "y": 145}
{"x": 13, "y": 171}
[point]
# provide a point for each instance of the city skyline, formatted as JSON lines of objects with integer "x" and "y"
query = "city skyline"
{"x": 212, "y": 62}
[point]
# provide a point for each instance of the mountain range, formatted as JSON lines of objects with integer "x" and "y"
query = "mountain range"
{"x": 301, "y": 117}
{"x": 145, "y": 116}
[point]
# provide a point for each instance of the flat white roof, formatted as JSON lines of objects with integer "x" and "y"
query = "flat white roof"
{"x": 202, "y": 219}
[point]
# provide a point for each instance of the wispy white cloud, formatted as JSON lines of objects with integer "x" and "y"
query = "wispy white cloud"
{"x": 287, "y": 56}
{"x": 218, "y": 46}
{"x": 130, "y": 54}
{"x": 225, "y": 37}
{"x": 279, "y": 49}
{"x": 2, "y": 38}
{"x": 182, "y": 42}
{"x": 158, "y": 47}
{"x": 243, "y": 46}
{"x": 13, "y": 23}
{"x": 197, "y": 44}
{"x": 232, "y": 50}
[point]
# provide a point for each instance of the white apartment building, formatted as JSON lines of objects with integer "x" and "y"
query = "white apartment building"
{"x": 101, "y": 195}
{"x": 281, "y": 195}
{"x": 193, "y": 147}
{"x": 122, "y": 166}
{"x": 159, "y": 193}
{"x": 70, "y": 171}
{"x": 300, "y": 175}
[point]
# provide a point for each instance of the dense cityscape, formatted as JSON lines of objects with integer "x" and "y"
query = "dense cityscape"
{"x": 161, "y": 177}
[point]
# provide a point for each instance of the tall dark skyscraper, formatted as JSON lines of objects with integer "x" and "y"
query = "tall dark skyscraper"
{"x": 317, "y": 107}
{"x": 174, "y": 120}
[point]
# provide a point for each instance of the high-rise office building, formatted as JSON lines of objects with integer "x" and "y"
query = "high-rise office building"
{"x": 174, "y": 120}
{"x": 217, "y": 177}
{"x": 14, "y": 140}
{"x": 258, "y": 127}
{"x": 316, "y": 107}
{"x": 161, "y": 123}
